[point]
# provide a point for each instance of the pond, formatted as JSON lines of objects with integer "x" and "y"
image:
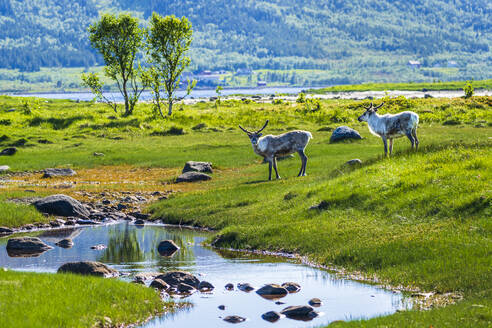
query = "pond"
{"x": 132, "y": 249}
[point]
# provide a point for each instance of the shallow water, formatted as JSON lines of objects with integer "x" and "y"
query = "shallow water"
{"x": 132, "y": 249}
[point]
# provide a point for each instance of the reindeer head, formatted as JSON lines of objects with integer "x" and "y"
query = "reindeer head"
{"x": 254, "y": 136}
{"x": 369, "y": 111}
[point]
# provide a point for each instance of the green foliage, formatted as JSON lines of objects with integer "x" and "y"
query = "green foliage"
{"x": 119, "y": 40}
{"x": 168, "y": 41}
{"x": 468, "y": 90}
{"x": 81, "y": 301}
{"x": 301, "y": 98}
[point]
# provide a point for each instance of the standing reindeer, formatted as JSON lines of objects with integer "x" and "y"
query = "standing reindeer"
{"x": 270, "y": 147}
{"x": 391, "y": 126}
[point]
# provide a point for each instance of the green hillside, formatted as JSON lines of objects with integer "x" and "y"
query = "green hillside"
{"x": 355, "y": 41}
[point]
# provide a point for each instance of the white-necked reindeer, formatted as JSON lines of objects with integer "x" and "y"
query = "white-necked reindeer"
{"x": 271, "y": 147}
{"x": 391, "y": 126}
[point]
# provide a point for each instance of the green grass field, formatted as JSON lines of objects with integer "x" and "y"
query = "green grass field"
{"x": 420, "y": 220}
{"x": 420, "y": 86}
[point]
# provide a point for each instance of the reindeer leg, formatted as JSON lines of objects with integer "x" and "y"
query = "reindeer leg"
{"x": 269, "y": 168}
{"x": 303, "y": 156}
{"x": 414, "y": 135}
{"x": 385, "y": 142}
{"x": 391, "y": 146}
{"x": 410, "y": 137}
{"x": 275, "y": 167}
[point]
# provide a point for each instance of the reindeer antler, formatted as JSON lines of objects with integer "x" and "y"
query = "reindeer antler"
{"x": 264, "y": 126}
{"x": 367, "y": 108}
{"x": 244, "y": 129}
{"x": 376, "y": 108}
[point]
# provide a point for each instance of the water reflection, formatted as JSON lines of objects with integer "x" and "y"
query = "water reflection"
{"x": 133, "y": 250}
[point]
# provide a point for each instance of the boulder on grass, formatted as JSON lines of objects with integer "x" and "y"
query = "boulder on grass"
{"x": 26, "y": 247}
{"x": 50, "y": 173}
{"x": 4, "y": 168}
{"x": 175, "y": 278}
{"x": 8, "y": 151}
{"x": 344, "y": 133}
{"x": 192, "y": 166}
{"x": 88, "y": 268}
{"x": 62, "y": 205}
{"x": 167, "y": 248}
{"x": 193, "y": 177}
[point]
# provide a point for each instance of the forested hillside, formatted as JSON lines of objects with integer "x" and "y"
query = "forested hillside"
{"x": 351, "y": 38}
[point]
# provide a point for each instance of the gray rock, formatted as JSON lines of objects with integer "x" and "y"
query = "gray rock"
{"x": 99, "y": 247}
{"x": 86, "y": 222}
{"x": 234, "y": 319}
{"x": 88, "y": 268}
{"x": 292, "y": 287}
{"x": 192, "y": 166}
{"x": 26, "y": 247}
{"x": 139, "y": 222}
{"x": 344, "y": 133}
{"x": 174, "y": 278}
{"x": 271, "y": 316}
{"x": 245, "y": 287}
{"x": 8, "y": 151}
{"x": 229, "y": 286}
{"x": 167, "y": 248}
{"x": 221, "y": 307}
{"x": 323, "y": 205}
{"x": 301, "y": 312}
{"x": 65, "y": 243}
{"x": 50, "y": 173}
{"x": 316, "y": 302}
{"x": 57, "y": 223}
{"x": 61, "y": 205}
{"x": 205, "y": 286}
{"x": 272, "y": 291}
{"x": 139, "y": 215}
{"x": 354, "y": 161}
{"x": 6, "y": 231}
{"x": 185, "y": 289}
{"x": 159, "y": 284}
{"x": 98, "y": 154}
{"x": 4, "y": 168}
{"x": 193, "y": 177}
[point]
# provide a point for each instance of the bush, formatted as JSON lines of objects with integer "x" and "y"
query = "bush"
{"x": 468, "y": 90}
{"x": 301, "y": 98}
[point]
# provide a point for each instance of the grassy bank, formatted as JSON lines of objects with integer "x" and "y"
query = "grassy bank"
{"x": 47, "y": 300}
{"x": 421, "y": 86}
{"x": 421, "y": 220}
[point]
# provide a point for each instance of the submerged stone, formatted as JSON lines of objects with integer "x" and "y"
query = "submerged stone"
{"x": 167, "y": 248}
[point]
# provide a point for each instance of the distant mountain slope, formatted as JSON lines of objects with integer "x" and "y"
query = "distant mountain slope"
{"x": 339, "y": 35}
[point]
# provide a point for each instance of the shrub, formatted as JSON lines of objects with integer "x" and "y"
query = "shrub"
{"x": 468, "y": 90}
{"x": 301, "y": 98}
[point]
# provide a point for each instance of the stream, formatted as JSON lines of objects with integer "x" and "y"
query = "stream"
{"x": 132, "y": 249}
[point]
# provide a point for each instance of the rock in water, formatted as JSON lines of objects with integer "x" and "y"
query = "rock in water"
{"x": 193, "y": 177}
{"x": 245, "y": 287}
{"x": 234, "y": 319}
{"x": 229, "y": 286}
{"x": 316, "y": 302}
{"x": 344, "y": 133}
{"x": 65, "y": 243}
{"x": 292, "y": 287}
{"x": 50, "y": 173}
{"x": 8, "y": 151}
{"x": 185, "y": 289}
{"x": 271, "y": 316}
{"x": 205, "y": 286}
{"x": 159, "y": 284}
{"x": 88, "y": 268}
{"x": 62, "y": 205}
{"x": 192, "y": 166}
{"x": 26, "y": 246}
{"x": 300, "y": 312}
{"x": 272, "y": 291}
{"x": 174, "y": 278}
{"x": 167, "y": 248}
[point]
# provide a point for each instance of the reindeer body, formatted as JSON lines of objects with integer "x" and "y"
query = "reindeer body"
{"x": 270, "y": 147}
{"x": 391, "y": 126}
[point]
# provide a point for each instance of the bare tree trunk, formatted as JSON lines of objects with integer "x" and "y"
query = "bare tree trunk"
{"x": 127, "y": 103}
{"x": 170, "y": 111}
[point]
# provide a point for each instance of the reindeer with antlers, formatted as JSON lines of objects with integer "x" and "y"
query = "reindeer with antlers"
{"x": 391, "y": 126}
{"x": 271, "y": 147}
